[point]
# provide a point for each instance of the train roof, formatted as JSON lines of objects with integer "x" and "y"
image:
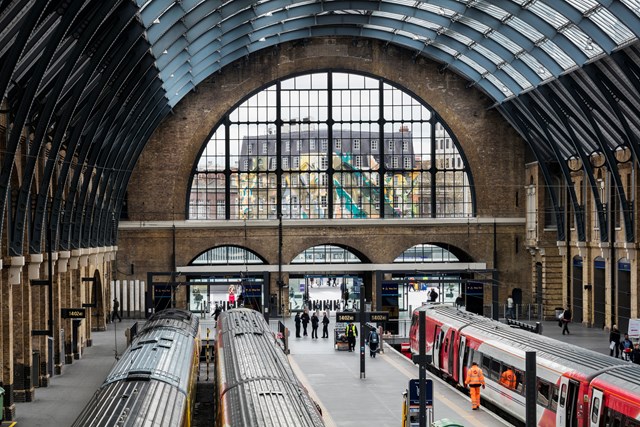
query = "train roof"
{"x": 259, "y": 383}
{"x": 570, "y": 356}
{"x": 163, "y": 351}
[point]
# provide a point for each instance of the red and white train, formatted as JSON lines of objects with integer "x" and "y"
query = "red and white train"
{"x": 576, "y": 387}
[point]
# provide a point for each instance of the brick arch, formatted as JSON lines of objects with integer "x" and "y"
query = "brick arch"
{"x": 460, "y": 253}
{"x": 484, "y": 136}
{"x": 264, "y": 261}
{"x": 361, "y": 256}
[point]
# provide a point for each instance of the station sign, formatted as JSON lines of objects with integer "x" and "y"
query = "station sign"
{"x": 414, "y": 392}
{"x": 252, "y": 290}
{"x": 73, "y": 313}
{"x": 369, "y": 316}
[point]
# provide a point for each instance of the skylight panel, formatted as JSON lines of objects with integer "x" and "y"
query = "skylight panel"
{"x": 552, "y": 16}
{"x": 558, "y": 55}
{"x": 583, "y": 5}
{"x": 505, "y": 41}
{"x": 515, "y": 75}
{"x": 472, "y": 23}
{"x": 490, "y": 55}
{"x": 457, "y": 36}
{"x": 615, "y": 29}
{"x": 473, "y": 64}
{"x": 498, "y": 83}
{"x": 535, "y": 65}
{"x": 525, "y": 29}
{"x": 491, "y": 10}
{"x": 422, "y": 23}
{"x": 445, "y": 48}
{"x": 634, "y": 5}
{"x": 584, "y": 42}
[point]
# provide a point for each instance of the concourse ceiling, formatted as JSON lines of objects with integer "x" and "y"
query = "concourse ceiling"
{"x": 88, "y": 82}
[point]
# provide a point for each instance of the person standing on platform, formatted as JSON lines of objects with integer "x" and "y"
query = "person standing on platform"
{"x": 305, "y": 321}
{"x": 566, "y": 318}
{"x": 352, "y": 333}
{"x": 475, "y": 380}
{"x": 216, "y": 314}
{"x": 614, "y": 341}
{"x": 116, "y": 310}
{"x": 635, "y": 354}
{"x": 314, "y": 325}
{"x": 627, "y": 347}
{"x": 373, "y": 341}
{"x": 325, "y": 326}
{"x": 510, "y": 314}
{"x": 297, "y": 322}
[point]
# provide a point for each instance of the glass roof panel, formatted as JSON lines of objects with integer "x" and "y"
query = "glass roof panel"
{"x": 559, "y": 55}
{"x": 535, "y": 65}
{"x": 515, "y": 75}
{"x": 525, "y": 29}
{"x": 473, "y": 64}
{"x": 491, "y": 10}
{"x": 476, "y": 25}
{"x": 584, "y": 42}
{"x": 489, "y": 54}
{"x": 497, "y": 83}
{"x": 505, "y": 42}
{"x": 445, "y": 48}
{"x": 618, "y": 32}
{"x": 549, "y": 14}
{"x": 457, "y": 36}
{"x": 583, "y": 5}
{"x": 634, "y": 5}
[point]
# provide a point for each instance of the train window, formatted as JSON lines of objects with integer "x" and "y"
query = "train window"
{"x": 544, "y": 393}
{"x": 563, "y": 395}
{"x": 477, "y": 357}
{"x": 554, "y": 398}
{"x": 595, "y": 410}
{"x": 519, "y": 381}
{"x": 495, "y": 369}
{"x": 486, "y": 365}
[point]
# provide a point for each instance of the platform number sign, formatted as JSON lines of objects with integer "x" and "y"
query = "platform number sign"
{"x": 414, "y": 392}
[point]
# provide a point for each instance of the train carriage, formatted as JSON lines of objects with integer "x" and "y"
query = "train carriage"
{"x": 154, "y": 381}
{"x": 256, "y": 385}
{"x": 566, "y": 374}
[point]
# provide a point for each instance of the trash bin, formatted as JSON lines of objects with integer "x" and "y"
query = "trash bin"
{"x": 1, "y": 403}
{"x": 446, "y": 422}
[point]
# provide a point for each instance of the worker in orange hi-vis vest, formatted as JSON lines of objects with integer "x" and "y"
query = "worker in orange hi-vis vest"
{"x": 475, "y": 379}
{"x": 508, "y": 378}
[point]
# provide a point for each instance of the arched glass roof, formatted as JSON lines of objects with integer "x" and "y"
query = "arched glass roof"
{"x": 89, "y": 81}
{"x": 505, "y": 48}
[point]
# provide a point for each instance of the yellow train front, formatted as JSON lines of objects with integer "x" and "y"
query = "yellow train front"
{"x": 154, "y": 381}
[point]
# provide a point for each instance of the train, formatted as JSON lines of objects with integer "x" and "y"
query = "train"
{"x": 255, "y": 383}
{"x": 576, "y": 387}
{"x": 154, "y": 381}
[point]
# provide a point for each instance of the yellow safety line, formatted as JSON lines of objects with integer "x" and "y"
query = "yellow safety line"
{"x": 470, "y": 417}
{"x": 328, "y": 421}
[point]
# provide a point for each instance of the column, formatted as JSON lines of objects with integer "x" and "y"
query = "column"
{"x": 60, "y": 289}
{"x": 22, "y": 326}
{"x": 7, "y": 340}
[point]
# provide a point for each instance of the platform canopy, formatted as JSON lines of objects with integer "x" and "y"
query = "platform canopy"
{"x": 88, "y": 81}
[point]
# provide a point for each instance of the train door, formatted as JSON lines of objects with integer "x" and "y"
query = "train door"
{"x": 437, "y": 342}
{"x": 596, "y": 408}
{"x": 567, "y": 403}
{"x": 451, "y": 353}
{"x": 462, "y": 355}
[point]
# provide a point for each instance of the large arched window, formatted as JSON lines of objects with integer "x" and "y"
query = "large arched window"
{"x": 331, "y": 145}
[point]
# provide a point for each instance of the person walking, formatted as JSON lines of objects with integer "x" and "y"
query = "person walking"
{"x": 510, "y": 314}
{"x": 475, "y": 379}
{"x": 305, "y": 321}
{"x": 314, "y": 325}
{"x": 373, "y": 341}
{"x": 216, "y": 314}
{"x": 614, "y": 341}
{"x": 566, "y": 318}
{"x": 116, "y": 310}
{"x": 325, "y": 326}
{"x": 296, "y": 320}
{"x": 352, "y": 333}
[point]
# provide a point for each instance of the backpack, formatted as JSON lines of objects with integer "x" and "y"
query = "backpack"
{"x": 374, "y": 337}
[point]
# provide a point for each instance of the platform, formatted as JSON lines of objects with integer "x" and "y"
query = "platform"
{"x": 332, "y": 377}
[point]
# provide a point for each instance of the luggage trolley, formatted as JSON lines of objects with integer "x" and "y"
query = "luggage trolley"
{"x": 340, "y": 341}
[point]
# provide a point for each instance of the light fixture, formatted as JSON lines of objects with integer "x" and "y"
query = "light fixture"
{"x": 262, "y": 39}
{"x": 156, "y": 21}
{"x": 541, "y": 70}
{"x": 268, "y": 13}
{"x": 505, "y": 89}
{"x": 589, "y": 44}
{"x": 164, "y": 52}
{"x": 441, "y": 11}
{"x": 171, "y": 76}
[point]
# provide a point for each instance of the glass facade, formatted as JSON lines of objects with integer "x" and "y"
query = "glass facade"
{"x": 331, "y": 145}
